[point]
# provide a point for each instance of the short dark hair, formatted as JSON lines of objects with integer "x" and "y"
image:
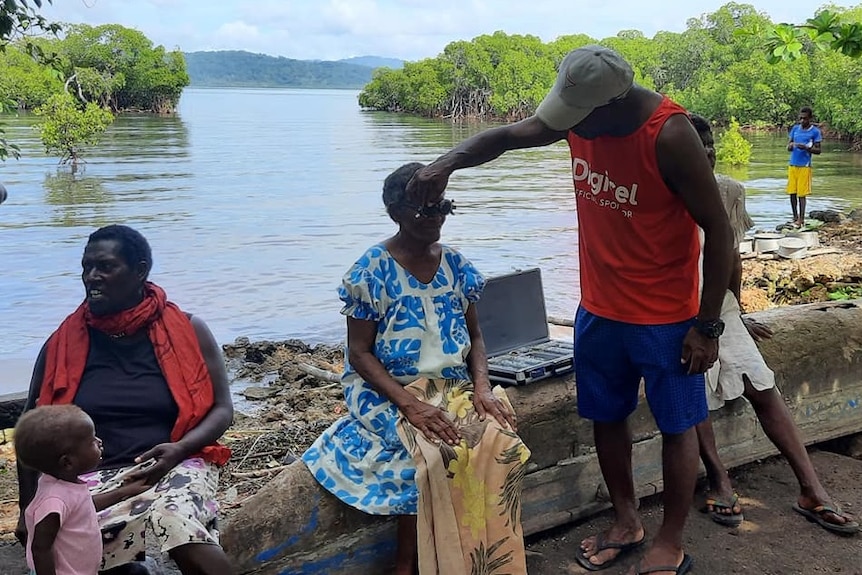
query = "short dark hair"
{"x": 44, "y": 434}
{"x": 806, "y": 110}
{"x": 134, "y": 247}
{"x": 700, "y": 124}
{"x": 395, "y": 185}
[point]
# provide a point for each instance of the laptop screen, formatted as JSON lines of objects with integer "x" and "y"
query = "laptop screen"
{"x": 512, "y": 311}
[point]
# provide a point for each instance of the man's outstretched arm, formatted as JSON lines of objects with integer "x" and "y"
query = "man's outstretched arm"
{"x": 485, "y": 146}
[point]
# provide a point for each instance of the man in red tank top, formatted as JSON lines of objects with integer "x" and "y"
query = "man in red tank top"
{"x": 642, "y": 186}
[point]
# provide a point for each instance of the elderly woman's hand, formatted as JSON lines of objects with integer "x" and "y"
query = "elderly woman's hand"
{"x": 486, "y": 403}
{"x": 432, "y": 421}
{"x": 166, "y": 455}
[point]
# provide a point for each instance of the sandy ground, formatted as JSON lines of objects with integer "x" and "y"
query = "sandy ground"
{"x": 773, "y": 540}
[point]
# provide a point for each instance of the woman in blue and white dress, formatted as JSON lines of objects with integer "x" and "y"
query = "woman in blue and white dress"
{"x": 416, "y": 387}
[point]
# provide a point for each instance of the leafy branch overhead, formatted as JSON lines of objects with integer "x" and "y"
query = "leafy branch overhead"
{"x": 826, "y": 31}
{"x": 19, "y": 20}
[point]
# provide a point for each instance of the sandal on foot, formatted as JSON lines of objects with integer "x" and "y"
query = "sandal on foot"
{"x": 817, "y": 515}
{"x": 681, "y": 569}
{"x": 602, "y": 545}
{"x": 727, "y": 519}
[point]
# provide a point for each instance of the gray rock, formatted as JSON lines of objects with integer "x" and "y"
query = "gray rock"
{"x": 259, "y": 393}
{"x": 828, "y": 216}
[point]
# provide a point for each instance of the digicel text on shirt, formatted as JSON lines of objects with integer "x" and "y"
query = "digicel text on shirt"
{"x": 601, "y": 183}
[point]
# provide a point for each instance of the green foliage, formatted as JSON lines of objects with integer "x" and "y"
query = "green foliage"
{"x": 65, "y": 127}
{"x": 845, "y": 293}
{"x": 829, "y": 30}
{"x": 19, "y": 22}
{"x": 716, "y": 67}
{"x": 7, "y": 148}
{"x": 120, "y": 68}
{"x": 109, "y": 65}
{"x": 732, "y": 148}
{"x": 495, "y": 75}
{"x": 25, "y": 82}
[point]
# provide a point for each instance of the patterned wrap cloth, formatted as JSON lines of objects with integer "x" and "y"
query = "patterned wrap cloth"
{"x": 180, "y": 508}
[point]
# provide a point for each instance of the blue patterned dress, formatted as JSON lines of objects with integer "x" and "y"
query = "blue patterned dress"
{"x": 421, "y": 332}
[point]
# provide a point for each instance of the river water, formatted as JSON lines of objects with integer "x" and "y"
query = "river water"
{"x": 257, "y": 201}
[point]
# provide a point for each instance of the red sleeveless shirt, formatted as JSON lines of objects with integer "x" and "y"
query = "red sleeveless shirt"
{"x": 639, "y": 246}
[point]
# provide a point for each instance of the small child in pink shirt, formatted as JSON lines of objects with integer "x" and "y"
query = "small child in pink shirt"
{"x": 63, "y": 535}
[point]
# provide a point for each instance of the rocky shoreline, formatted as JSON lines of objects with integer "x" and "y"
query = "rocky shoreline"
{"x": 769, "y": 282}
{"x": 292, "y": 392}
{"x": 299, "y": 394}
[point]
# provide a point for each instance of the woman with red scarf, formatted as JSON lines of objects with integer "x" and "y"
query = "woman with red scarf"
{"x": 153, "y": 380}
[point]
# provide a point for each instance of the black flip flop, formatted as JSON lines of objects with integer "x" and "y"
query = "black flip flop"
{"x": 815, "y": 515}
{"x": 681, "y": 569}
{"x": 727, "y": 519}
{"x": 602, "y": 545}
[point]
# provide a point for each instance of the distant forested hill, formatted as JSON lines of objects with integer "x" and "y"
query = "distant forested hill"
{"x": 237, "y": 68}
{"x": 375, "y": 62}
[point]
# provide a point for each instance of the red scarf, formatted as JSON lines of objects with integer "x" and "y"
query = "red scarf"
{"x": 177, "y": 351}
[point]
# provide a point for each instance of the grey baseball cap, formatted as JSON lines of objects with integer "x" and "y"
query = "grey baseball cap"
{"x": 589, "y": 77}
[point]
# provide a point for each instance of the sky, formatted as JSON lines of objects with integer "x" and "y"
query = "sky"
{"x": 405, "y": 29}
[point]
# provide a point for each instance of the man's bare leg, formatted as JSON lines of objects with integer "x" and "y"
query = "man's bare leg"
{"x": 793, "y": 206}
{"x": 779, "y": 426}
{"x": 614, "y": 450}
{"x": 802, "y": 204}
{"x": 719, "y": 485}
{"x": 679, "y": 460}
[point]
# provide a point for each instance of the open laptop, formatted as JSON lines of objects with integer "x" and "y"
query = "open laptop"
{"x": 514, "y": 325}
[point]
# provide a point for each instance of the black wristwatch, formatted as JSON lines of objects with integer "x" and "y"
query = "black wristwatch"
{"x": 711, "y": 329}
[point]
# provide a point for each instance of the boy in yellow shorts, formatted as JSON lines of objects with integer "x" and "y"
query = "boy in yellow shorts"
{"x": 804, "y": 141}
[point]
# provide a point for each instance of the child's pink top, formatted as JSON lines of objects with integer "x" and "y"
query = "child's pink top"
{"x": 78, "y": 546}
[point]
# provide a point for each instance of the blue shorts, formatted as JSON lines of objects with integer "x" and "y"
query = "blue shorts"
{"x": 611, "y": 357}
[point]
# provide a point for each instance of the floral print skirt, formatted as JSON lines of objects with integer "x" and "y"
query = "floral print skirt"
{"x": 180, "y": 509}
{"x": 470, "y": 493}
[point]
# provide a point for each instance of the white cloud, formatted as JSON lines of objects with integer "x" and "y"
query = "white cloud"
{"x": 237, "y": 31}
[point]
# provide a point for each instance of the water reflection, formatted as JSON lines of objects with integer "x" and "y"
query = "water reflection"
{"x": 257, "y": 201}
{"x": 739, "y": 173}
{"x": 77, "y": 197}
{"x": 145, "y": 138}
{"x": 70, "y": 188}
{"x": 413, "y": 131}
